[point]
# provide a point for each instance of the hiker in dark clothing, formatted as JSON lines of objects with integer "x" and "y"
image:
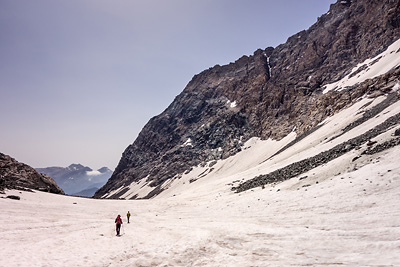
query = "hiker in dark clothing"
{"x": 128, "y": 215}
{"x": 118, "y": 222}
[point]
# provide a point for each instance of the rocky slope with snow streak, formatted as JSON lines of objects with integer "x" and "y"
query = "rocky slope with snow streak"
{"x": 268, "y": 95}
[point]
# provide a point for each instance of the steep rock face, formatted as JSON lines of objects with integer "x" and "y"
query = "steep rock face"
{"x": 269, "y": 94}
{"x": 349, "y": 33}
{"x": 16, "y": 175}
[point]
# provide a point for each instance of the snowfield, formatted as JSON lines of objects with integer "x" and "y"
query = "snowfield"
{"x": 343, "y": 213}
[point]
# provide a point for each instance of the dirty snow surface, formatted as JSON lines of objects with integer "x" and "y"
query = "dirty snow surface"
{"x": 343, "y": 213}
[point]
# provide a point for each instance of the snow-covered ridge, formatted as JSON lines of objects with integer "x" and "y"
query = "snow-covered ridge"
{"x": 369, "y": 69}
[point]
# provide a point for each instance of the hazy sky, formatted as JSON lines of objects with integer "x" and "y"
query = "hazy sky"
{"x": 80, "y": 78}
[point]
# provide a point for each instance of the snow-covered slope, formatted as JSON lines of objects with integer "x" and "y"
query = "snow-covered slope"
{"x": 370, "y": 68}
{"x": 342, "y": 213}
{"x": 256, "y": 156}
{"x": 254, "y": 159}
{"x": 266, "y": 95}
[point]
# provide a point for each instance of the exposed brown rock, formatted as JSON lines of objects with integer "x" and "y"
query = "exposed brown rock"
{"x": 274, "y": 91}
{"x": 16, "y": 175}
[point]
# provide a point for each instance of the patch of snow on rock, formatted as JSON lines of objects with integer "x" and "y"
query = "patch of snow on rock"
{"x": 373, "y": 67}
{"x": 396, "y": 87}
{"x": 188, "y": 142}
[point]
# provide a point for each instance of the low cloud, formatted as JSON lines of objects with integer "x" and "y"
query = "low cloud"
{"x": 93, "y": 173}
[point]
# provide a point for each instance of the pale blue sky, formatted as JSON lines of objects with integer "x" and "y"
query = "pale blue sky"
{"x": 80, "y": 78}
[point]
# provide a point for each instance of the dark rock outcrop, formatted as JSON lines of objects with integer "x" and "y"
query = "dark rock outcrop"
{"x": 268, "y": 94}
{"x": 14, "y": 197}
{"x": 16, "y": 175}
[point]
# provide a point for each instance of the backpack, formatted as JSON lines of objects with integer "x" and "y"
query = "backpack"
{"x": 118, "y": 220}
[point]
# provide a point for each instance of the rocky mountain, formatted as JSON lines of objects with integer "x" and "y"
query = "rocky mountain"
{"x": 17, "y": 175}
{"x": 76, "y": 179}
{"x": 270, "y": 94}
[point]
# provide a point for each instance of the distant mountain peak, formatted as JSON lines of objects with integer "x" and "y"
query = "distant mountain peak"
{"x": 104, "y": 170}
{"x": 78, "y": 167}
{"x": 76, "y": 178}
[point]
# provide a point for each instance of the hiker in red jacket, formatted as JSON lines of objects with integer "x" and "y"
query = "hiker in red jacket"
{"x": 118, "y": 222}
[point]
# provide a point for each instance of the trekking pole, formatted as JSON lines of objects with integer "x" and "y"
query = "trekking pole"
{"x": 123, "y": 229}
